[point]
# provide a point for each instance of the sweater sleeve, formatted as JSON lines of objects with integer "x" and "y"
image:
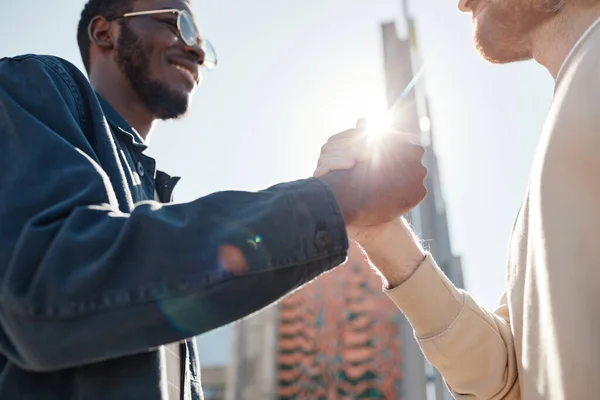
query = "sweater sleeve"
{"x": 471, "y": 347}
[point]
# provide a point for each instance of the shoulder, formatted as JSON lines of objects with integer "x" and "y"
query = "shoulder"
{"x": 40, "y": 64}
{"x": 577, "y": 93}
{"x": 570, "y": 140}
{"x": 30, "y": 78}
{"x": 580, "y": 73}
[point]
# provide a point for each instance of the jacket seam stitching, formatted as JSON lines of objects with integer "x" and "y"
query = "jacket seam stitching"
{"x": 137, "y": 297}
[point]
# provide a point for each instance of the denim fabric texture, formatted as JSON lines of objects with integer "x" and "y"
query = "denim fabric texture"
{"x": 95, "y": 274}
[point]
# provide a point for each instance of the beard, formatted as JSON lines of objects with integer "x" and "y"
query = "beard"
{"x": 133, "y": 60}
{"x": 504, "y": 30}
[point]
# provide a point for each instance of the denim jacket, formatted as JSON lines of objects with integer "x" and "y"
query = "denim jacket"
{"x": 95, "y": 275}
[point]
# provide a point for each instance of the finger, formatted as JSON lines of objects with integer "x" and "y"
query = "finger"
{"x": 403, "y": 142}
{"x": 337, "y": 161}
{"x": 362, "y": 124}
{"x": 334, "y": 164}
{"x": 413, "y": 138}
{"x": 343, "y": 143}
{"x": 356, "y": 153}
{"x": 350, "y": 133}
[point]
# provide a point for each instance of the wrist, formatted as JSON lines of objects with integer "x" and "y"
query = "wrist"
{"x": 342, "y": 199}
{"x": 393, "y": 250}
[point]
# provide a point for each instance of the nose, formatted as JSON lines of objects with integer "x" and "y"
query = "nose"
{"x": 462, "y": 5}
{"x": 196, "y": 52}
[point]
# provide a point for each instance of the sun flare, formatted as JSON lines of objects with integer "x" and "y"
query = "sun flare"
{"x": 379, "y": 124}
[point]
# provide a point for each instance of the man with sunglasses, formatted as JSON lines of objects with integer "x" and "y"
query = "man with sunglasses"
{"x": 102, "y": 285}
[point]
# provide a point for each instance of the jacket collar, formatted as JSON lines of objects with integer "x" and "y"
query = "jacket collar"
{"x": 165, "y": 184}
{"x": 121, "y": 126}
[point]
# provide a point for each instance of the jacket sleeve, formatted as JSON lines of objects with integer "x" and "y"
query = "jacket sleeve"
{"x": 471, "y": 347}
{"x": 82, "y": 282}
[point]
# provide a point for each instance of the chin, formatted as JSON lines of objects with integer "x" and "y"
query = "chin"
{"x": 175, "y": 106}
{"x": 172, "y": 113}
{"x": 186, "y": 90}
{"x": 500, "y": 51}
{"x": 497, "y": 57}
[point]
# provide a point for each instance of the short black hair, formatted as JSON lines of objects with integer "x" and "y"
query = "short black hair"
{"x": 108, "y": 9}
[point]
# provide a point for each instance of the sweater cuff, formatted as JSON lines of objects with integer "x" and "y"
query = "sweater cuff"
{"x": 428, "y": 299}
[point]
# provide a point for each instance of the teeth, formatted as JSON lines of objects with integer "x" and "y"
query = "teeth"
{"x": 184, "y": 70}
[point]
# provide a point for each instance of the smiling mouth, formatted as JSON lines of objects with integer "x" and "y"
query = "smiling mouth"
{"x": 189, "y": 74}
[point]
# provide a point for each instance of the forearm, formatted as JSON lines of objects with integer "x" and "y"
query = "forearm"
{"x": 100, "y": 284}
{"x": 394, "y": 251}
{"x": 472, "y": 347}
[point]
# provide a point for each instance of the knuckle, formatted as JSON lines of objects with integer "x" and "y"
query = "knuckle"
{"x": 418, "y": 149}
{"x": 343, "y": 135}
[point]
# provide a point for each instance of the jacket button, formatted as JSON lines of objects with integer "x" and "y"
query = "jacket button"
{"x": 323, "y": 240}
{"x": 140, "y": 168}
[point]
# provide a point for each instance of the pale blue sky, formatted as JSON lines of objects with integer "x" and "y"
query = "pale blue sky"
{"x": 295, "y": 72}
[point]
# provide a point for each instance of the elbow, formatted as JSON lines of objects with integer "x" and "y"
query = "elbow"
{"x": 32, "y": 344}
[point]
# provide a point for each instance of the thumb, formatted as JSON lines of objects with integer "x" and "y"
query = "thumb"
{"x": 362, "y": 124}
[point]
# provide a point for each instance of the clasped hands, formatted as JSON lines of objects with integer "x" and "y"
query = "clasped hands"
{"x": 375, "y": 182}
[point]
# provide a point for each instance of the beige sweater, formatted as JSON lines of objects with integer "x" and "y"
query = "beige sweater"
{"x": 543, "y": 342}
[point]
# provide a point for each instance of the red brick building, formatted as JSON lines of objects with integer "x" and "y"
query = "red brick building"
{"x": 339, "y": 338}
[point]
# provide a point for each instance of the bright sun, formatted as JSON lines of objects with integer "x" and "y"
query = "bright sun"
{"x": 379, "y": 124}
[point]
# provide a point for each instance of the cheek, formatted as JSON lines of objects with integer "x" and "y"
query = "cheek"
{"x": 157, "y": 61}
{"x": 156, "y": 47}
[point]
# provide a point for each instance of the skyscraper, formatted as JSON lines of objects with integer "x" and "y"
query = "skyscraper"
{"x": 410, "y": 113}
{"x": 340, "y": 337}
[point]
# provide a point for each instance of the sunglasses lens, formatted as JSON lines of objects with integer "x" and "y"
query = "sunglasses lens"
{"x": 190, "y": 35}
{"x": 210, "y": 55}
{"x": 187, "y": 27}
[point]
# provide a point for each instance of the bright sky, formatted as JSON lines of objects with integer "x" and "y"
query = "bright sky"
{"x": 294, "y": 73}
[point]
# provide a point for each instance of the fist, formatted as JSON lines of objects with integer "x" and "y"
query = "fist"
{"x": 374, "y": 180}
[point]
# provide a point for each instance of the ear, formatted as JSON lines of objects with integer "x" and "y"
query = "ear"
{"x": 101, "y": 33}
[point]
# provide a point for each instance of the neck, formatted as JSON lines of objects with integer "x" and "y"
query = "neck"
{"x": 553, "y": 41}
{"x": 123, "y": 98}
